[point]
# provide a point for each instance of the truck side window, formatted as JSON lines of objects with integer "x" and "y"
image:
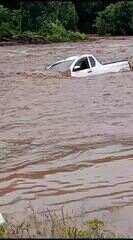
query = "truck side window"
{"x": 81, "y": 64}
{"x": 92, "y": 61}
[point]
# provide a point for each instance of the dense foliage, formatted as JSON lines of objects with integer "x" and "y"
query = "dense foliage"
{"x": 52, "y": 21}
{"x": 63, "y": 21}
{"x": 116, "y": 19}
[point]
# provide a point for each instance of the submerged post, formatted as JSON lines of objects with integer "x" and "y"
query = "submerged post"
{"x": 130, "y": 62}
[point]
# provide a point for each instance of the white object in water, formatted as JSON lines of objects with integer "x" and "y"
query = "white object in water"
{"x": 2, "y": 220}
{"x": 87, "y": 65}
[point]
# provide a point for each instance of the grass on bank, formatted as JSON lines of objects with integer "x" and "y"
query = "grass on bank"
{"x": 53, "y": 225}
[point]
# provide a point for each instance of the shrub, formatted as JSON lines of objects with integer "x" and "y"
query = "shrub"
{"x": 5, "y": 18}
{"x": 53, "y": 226}
{"x": 5, "y": 14}
{"x": 57, "y": 32}
{"x": 5, "y": 31}
{"x": 68, "y": 16}
{"x": 116, "y": 19}
{"x": 54, "y": 31}
{"x": 76, "y": 36}
{"x": 29, "y": 37}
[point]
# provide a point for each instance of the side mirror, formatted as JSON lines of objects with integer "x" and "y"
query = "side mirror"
{"x": 76, "y": 68}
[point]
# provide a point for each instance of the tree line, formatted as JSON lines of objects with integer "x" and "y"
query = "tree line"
{"x": 64, "y": 20}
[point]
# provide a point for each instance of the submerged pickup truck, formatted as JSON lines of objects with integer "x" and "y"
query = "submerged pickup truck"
{"x": 87, "y": 65}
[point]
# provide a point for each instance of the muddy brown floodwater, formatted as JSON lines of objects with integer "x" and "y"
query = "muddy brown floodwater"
{"x": 66, "y": 142}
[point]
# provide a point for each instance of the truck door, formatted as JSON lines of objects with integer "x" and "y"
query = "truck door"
{"x": 81, "y": 67}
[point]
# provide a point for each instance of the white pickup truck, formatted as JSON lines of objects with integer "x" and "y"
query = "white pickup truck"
{"x": 87, "y": 65}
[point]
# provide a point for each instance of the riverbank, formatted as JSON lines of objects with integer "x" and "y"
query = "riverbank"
{"x": 49, "y": 224}
{"x": 34, "y": 38}
{"x": 41, "y": 40}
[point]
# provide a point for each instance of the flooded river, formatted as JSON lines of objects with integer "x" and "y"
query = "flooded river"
{"x": 64, "y": 141}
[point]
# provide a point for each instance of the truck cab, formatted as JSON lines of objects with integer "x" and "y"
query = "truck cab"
{"x": 85, "y": 65}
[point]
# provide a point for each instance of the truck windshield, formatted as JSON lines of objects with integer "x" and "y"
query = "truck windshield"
{"x": 62, "y": 66}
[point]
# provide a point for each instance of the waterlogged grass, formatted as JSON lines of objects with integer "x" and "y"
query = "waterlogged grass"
{"x": 57, "y": 36}
{"x": 52, "y": 225}
{"x": 55, "y": 229}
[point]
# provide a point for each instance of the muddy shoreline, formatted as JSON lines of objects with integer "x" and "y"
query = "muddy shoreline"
{"x": 92, "y": 37}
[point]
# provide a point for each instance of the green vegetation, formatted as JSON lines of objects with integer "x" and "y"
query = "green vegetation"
{"x": 56, "y": 21}
{"x": 37, "y": 22}
{"x": 116, "y": 19}
{"x": 55, "y": 226}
